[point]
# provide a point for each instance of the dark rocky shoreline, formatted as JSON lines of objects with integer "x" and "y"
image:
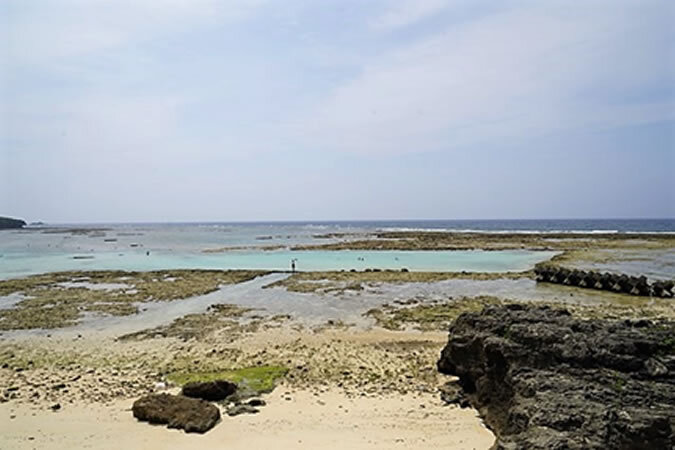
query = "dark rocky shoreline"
{"x": 544, "y": 380}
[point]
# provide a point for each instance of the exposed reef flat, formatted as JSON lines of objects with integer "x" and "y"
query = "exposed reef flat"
{"x": 543, "y": 379}
{"x": 431, "y": 240}
{"x": 340, "y": 281}
{"x": 437, "y": 315}
{"x": 45, "y": 370}
{"x": 61, "y": 299}
{"x": 232, "y": 320}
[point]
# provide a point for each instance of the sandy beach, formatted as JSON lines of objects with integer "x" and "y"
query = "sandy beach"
{"x": 325, "y": 401}
{"x": 292, "y": 419}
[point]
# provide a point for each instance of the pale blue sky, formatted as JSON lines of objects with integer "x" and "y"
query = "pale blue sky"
{"x": 179, "y": 110}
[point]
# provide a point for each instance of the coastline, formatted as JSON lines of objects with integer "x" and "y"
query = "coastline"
{"x": 374, "y": 376}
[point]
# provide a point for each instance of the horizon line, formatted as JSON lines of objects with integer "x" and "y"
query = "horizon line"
{"x": 328, "y": 221}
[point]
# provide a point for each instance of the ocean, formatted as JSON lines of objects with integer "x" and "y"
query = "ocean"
{"x": 494, "y": 225}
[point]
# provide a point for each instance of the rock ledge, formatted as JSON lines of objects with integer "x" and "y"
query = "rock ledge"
{"x": 544, "y": 380}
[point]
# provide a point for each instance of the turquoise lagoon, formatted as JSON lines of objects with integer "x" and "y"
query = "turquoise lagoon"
{"x": 190, "y": 246}
{"x": 17, "y": 264}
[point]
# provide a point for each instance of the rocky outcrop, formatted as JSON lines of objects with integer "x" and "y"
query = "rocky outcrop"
{"x": 210, "y": 390}
{"x": 7, "y": 223}
{"x": 604, "y": 281}
{"x": 177, "y": 411}
{"x": 544, "y": 380}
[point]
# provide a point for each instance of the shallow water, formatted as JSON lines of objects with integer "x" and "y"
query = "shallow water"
{"x": 170, "y": 246}
{"x": 26, "y": 253}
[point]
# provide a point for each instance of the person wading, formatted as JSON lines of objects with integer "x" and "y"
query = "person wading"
{"x": 293, "y": 265}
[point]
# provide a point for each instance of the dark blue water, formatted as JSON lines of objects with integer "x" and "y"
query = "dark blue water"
{"x": 539, "y": 225}
{"x": 497, "y": 225}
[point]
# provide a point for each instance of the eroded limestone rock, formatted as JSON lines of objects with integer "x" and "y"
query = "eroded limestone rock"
{"x": 544, "y": 380}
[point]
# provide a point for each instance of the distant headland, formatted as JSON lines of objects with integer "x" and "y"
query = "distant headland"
{"x": 7, "y": 223}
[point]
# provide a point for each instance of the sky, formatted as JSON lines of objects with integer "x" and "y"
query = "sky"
{"x": 211, "y": 110}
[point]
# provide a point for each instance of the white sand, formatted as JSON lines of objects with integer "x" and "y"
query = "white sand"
{"x": 306, "y": 421}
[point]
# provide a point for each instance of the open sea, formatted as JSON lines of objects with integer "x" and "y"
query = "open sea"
{"x": 491, "y": 226}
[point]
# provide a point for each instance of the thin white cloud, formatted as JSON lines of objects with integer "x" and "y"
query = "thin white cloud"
{"x": 516, "y": 75}
{"x": 407, "y": 12}
{"x": 42, "y": 35}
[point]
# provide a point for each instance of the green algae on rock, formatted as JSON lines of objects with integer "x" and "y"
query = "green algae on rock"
{"x": 261, "y": 379}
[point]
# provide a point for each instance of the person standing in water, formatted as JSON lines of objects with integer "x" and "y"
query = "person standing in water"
{"x": 293, "y": 265}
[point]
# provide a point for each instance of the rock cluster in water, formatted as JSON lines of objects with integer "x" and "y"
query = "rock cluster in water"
{"x": 544, "y": 380}
{"x": 604, "y": 281}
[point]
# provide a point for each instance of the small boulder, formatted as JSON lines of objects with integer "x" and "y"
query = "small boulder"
{"x": 256, "y": 402}
{"x": 177, "y": 411}
{"x": 241, "y": 409}
{"x": 210, "y": 390}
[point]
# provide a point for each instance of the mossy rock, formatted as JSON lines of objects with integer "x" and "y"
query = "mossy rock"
{"x": 260, "y": 379}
